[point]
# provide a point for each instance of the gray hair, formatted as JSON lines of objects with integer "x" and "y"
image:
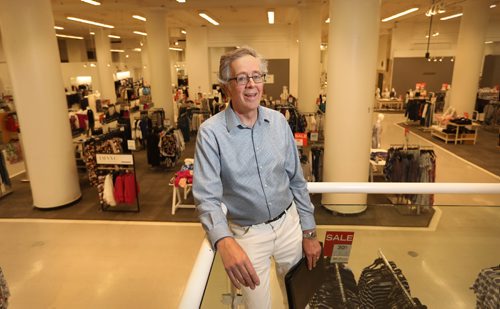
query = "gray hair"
{"x": 229, "y": 57}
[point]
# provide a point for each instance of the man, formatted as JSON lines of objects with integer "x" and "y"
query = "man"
{"x": 246, "y": 159}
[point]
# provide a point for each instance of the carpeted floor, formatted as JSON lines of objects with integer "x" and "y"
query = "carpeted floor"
{"x": 485, "y": 153}
{"x": 155, "y": 199}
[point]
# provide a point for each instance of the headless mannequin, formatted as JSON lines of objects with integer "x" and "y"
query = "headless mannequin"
{"x": 377, "y": 131}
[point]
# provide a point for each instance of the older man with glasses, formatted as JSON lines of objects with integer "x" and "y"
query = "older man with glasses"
{"x": 246, "y": 160}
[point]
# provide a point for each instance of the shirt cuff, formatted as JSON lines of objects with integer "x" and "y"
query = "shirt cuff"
{"x": 217, "y": 233}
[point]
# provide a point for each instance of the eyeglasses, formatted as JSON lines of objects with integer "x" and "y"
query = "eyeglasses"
{"x": 243, "y": 79}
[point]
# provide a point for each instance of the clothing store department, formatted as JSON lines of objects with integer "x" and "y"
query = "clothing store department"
{"x": 246, "y": 161}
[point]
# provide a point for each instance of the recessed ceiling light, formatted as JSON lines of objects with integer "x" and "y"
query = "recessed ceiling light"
{"x": 175, "y": 48}
{"x": 400, "y": 14}
{"x": 85, "y": 21}
{"x": 493, "y": 6}
{"x": 92, "y": 2}
{"x": 181, "y": 1}
{"x": 58, "y": 28}
{"x": 137, "y": 49}
{"x": 270, "y": 17}
{"x": 488, "y": 42}
{"x": 113, "y": 36}
{"x": 69, "y": 36}
{"x": 140, "y": 33}
{"x": 327, "y": 20}
{"x": 183, "y": 31}
{"x": 451, "y": 16}
{"x": 117, "y": 50}
{"x": 209, "y": 19}
{"x": 139, "y": 17}
{"x": 92, "y": 33}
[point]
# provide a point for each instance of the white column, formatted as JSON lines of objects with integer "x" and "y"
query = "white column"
{"x": 33, "y": 60}
{"x": 352, "y": 57}
{"x": 197, "y": 60}
{"x": 105, "y": 65}
{"x": 146, "y": 70}
{"x": 469, "y": 56}
{"x": 309, "y": 56}
{"x": 159, "y": 62}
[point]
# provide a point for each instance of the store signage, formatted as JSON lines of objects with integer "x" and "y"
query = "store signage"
{"x": 314, "y": 136}
{"x": 338, "y": 245}
{"x": 131, "y": 144}
{"x": 301, "y": 139}
{"x": 105, "y": 158}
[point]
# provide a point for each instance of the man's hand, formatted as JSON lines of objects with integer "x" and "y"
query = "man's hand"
{"x": 312, "y": 250}
{"x": 237, "y": 264}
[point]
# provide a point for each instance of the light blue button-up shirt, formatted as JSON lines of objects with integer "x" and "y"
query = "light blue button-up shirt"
{"x": 255, "y": 172}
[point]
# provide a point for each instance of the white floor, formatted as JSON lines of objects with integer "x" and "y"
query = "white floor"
{"x": 94, "y": 264}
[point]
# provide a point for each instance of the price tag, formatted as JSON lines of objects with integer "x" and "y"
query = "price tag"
{"x": 131, "y": 144}
{"x": 301, "y": 139}
{"x": 338, "y": 246}
{"x": 314, "y": 136}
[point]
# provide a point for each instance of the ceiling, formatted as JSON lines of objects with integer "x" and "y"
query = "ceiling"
{"x": 227, "y": 12}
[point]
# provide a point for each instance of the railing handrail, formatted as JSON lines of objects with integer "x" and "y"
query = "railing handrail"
{"x": 195, "y": 286}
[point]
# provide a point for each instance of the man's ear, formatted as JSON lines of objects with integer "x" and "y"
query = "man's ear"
{"x": 225, "y": 90}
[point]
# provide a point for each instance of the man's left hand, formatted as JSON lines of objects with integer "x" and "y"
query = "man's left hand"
{"x": 312, "y": 250}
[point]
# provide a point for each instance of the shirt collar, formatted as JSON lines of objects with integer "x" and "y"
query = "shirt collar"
{"x": 233, "y": 121}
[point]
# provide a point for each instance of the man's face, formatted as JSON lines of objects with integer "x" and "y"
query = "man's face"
{"x": 245, "y": 98}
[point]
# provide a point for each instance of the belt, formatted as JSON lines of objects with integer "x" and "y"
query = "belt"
{"x": 278, "y": 216}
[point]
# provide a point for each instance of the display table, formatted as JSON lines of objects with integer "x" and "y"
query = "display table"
{"x": 457, "y": 137}
{"x": 178, "y": 200}
{"x": 376, "y": 166}
{"x": 389, "y": 104}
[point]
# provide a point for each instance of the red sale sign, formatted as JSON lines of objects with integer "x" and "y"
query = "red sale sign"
{"x": 338, "y": 245}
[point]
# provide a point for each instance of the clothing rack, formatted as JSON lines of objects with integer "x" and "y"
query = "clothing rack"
{"x": 121, "y": 162}
{"x": 386, "y": 262}
{"x": 341, "y": 285}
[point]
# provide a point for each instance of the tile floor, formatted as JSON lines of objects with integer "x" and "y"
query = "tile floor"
{"x": 103, "y": 264}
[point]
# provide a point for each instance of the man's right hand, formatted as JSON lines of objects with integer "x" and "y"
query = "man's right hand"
{"x": 237, "y": 264}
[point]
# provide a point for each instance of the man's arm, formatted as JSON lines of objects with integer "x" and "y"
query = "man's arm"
{"x": 305, "y": 208}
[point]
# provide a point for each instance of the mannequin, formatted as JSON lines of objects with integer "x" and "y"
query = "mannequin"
{"x": 393, "y": 93}
{"x": 377, "y": 93}
{"x": 386, "y": 93}
{"x": 284, "y": 94}
{"x": 377, "y": 131}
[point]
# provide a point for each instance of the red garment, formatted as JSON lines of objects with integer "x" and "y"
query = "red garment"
{"x": 126, "y": 188}
{"x": 187, "y": 175}
{"x": 82, "y": 121}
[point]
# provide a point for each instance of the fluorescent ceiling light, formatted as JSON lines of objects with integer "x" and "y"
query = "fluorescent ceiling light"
{"x": 451, "y": 16}
{"x": 181, "y": 1}
{"x": 175, "y": 48}
{"x": 117, "y": 50}
{"x": 113, "y": 36}
{"x": 92, "y": 2}
{"x": 209, "y": 19}
{"x": 183, "y": 31}
{"x": 92, "y": 33}
{"x": 270, "y": 17}
{"x": 400, "y": 14}
{"x": 139, "y": 17}
{"x": 89, "y": 22}
{"x": 69, "y": 36}
{"x": 327, "y": 20}
{"x": 137, "y": 49}
{"x": 140, "y": 33}
{"x": 488, "y": 42}
{"x": 493, "y": 6}
{"x": 58, "y": 28}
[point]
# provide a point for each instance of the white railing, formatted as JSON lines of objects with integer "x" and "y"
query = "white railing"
{"x": 195, "y": 287}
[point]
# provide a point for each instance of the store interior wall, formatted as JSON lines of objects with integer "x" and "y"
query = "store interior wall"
{"x": 280, "y": 71}
{"x": 491, "y": 71}
{"x": 409, "y": 71}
